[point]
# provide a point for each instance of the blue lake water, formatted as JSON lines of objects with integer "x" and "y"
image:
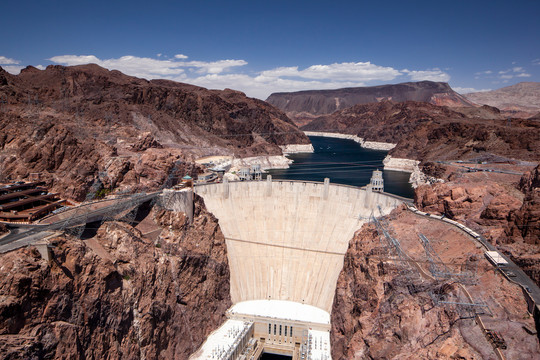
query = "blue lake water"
{"x": 344, "y": 162}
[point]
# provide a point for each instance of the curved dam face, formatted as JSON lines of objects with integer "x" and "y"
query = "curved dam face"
{"x": 286, "y": 240}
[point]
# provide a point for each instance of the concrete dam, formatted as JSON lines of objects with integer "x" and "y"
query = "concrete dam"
{"x": 286, "y": 242}
{"x": 286, "y": 239}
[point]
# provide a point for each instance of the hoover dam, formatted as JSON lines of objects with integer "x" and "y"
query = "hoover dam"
{"x": 286, "y": 242}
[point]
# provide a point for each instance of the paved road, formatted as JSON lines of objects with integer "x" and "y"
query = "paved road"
{"x": 21, "y": 236}
{"x": 478, "y": 169}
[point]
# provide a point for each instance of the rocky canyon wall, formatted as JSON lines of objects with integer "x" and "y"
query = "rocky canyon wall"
{"x": 149, "y": 292}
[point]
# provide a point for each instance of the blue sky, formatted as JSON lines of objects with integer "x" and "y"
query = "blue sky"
{"x": 261, "y": 46}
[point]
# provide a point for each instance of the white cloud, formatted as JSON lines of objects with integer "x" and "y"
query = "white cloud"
{"x": 467, "y": 90}
{"x": 149, "y": 68}
{"x": 514, "y": 72}
{"x": 486, "y": 72}
{"x": 360, "y": 71}
{"x": 536, "y": 62}
{"x": 229, "y": 73}
{"x": 215, "y": 67}
{"x": 262, "y": 86}
{"x": 432, "y": 75}
{"x": 13, "y": 69}
{"x": 7, "y": 61}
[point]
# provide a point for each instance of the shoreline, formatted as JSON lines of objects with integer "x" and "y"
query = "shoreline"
{"x": 373, "y": 145}
{"x": 400, "y": 164}
{"x": 416, "y": 178}
{"x": 296, "y": 148}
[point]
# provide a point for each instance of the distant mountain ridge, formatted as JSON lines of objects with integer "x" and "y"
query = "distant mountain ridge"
{"x": 521, "y": 97}
{"x": 312, "y": 103}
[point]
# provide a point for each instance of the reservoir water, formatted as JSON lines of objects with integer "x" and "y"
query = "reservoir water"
{"x": 344, "y": 162}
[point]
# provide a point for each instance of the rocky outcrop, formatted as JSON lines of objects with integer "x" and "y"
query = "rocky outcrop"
{"x": 119, "y": 295}
{"x": 374, "y": 145}
{"x": 70, "y": 163}
{"x": 145, "y": 142}
{"x": 434, "y": 170}
{"x": 524, "y": 222}
{"x": 385, "y": 306}
{"x": 302, "y": 105}
{"x": 3, "y": 229}
{"x": 484, "y": 204}
{"x": 296, "y": 148}
{"x": 397, "y": 164}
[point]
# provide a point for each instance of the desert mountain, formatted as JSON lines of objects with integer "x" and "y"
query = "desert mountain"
{"x": 424, "y": 131}
{"x": 69, "y": 124}
{"x": 304, "y": 105}
{"x": 521, "y": 99}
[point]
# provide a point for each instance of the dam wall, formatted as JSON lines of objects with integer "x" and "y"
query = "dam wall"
{"x": 178, "y": 200}
{"x": 286, "y": 240}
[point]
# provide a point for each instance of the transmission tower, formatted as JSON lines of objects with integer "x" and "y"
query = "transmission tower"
{"x": 76, "y": 223}
{"x": 464, "y": 307}
{"x": 173, "y": 174}
{"x": 3, "y": 102}
{"x": 393, "y": 246}
{"x": 438, "y": 268}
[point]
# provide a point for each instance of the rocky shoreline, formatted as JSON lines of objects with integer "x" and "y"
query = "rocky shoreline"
{"x": 296, "y": 148}
{"x": 400, "y": 164}
{"x": 373, "y": 145}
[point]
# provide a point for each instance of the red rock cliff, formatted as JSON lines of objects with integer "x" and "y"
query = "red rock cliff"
{"x": 119, "y": 294}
